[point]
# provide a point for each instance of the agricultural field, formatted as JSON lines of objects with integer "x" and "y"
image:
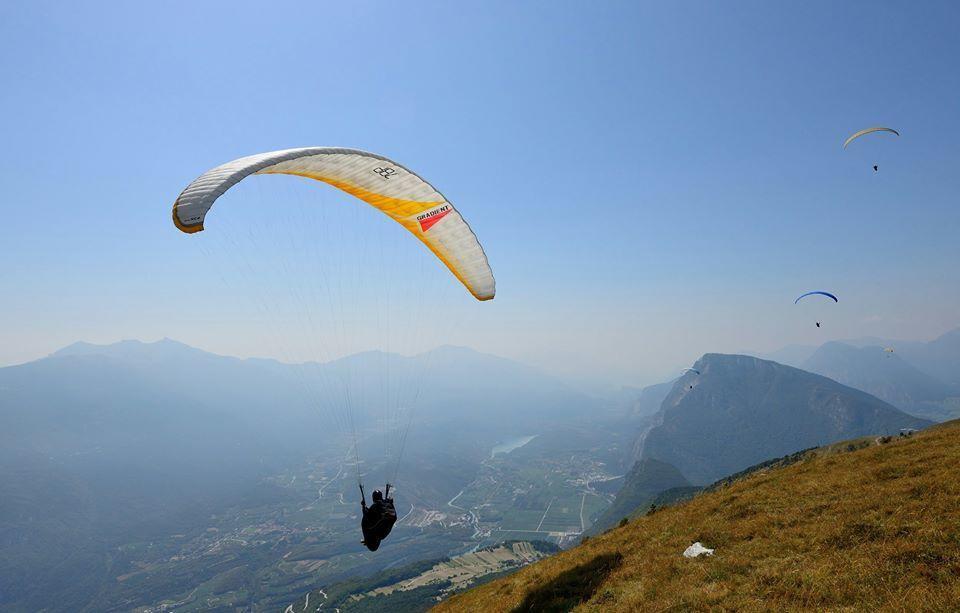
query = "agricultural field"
{"x": 541, "y": 490}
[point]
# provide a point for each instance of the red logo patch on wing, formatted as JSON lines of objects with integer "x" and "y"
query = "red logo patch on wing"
{"x": 427, "y": 219}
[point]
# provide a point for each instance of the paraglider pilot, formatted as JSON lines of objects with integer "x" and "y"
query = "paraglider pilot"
{"x": 378, "y": 518}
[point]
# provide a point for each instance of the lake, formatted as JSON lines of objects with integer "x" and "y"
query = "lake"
{"x": 511, "y": 444}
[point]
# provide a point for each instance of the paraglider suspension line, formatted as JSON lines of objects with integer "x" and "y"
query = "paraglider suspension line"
{"x": 403, "y": 445}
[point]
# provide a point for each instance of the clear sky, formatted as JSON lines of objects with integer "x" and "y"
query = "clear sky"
{"x": 651, "y": 181}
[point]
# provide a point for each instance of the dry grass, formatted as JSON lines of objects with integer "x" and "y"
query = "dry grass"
{"x": 875, "y": 528}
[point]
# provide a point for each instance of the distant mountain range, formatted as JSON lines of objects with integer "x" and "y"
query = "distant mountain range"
{"x": 791, "y": 355}
{"x": 887, "y": 376}
{"x": 446, "y": 384}
{"x": 919, "y": 377}
{"x": 939, "y": 358}
{"x": 153, "y": 406}
{"x": 649, "y": 399}
{"x": 106, "y": 444}
{"x": 742, "y": 410}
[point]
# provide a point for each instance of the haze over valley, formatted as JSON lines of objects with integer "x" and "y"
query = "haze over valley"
{"x": 232, "y": 488}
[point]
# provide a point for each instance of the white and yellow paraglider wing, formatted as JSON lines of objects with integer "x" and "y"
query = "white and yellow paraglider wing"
{"x": 378, "y": 181}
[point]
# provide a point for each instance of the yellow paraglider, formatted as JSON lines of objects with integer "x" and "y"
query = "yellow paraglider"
{"x": 380, "y": 182}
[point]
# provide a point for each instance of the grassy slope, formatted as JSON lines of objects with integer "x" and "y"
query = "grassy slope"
{"x": 878, "y": 527}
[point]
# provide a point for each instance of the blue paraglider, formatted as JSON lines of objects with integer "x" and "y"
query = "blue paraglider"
{"x": 818, "y": 292}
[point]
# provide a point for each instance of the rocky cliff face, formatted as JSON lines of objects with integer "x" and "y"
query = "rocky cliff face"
{"x": 741, "y": 410}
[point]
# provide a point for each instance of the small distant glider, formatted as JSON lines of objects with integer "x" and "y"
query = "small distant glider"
{"x": 816, "y": 293}
{"x": 866, "y": 131}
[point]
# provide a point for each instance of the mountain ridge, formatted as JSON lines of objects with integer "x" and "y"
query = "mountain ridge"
{"x": 741, "y": 410}
{"x": 882, "y": 372}
{"x": 133, "y": 440}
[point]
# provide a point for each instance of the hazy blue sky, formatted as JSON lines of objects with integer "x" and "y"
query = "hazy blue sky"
{"x": 650, "y": 180}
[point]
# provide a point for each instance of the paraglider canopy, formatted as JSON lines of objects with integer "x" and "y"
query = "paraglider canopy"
{"x": 857, "y": 135}
{"x": 816, "y": 293}
{"x": 686, "y": 370}
{"x": 314, "y": 293}
{"x": 382, "y": 183}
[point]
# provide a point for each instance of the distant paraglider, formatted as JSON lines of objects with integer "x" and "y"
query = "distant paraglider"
{"x": 866, "y": 131}
{"x": 856, "y": 135}
{"x": 686, "y": 370}
{"x": 816, "y": 293}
